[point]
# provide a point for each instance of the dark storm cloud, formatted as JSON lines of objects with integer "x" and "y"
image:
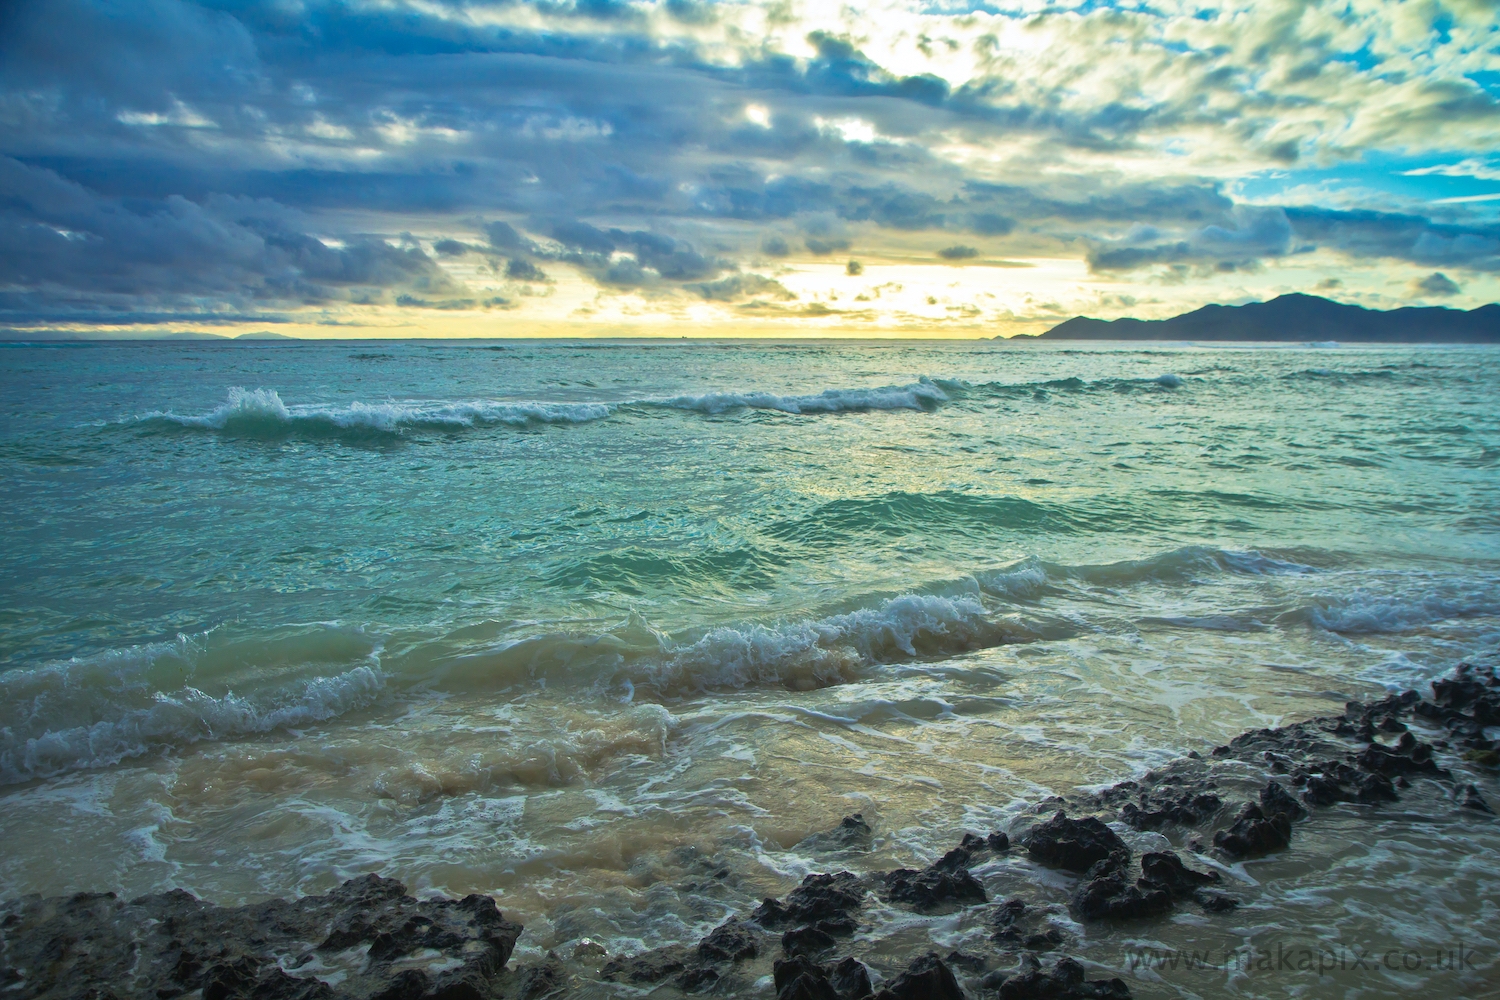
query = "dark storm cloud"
{"x": 203, "y": 155}
{"x": 59, "y": 238}
{"x": 1436, "y": 284}
{"x": 1268, "y": 233}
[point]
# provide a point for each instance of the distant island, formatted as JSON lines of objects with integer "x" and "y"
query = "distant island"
{"x": 1299, "y": 318}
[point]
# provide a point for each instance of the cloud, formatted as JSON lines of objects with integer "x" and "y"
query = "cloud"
{"x": 958, "y": 252}
{"x": 1254, "y": 234}
{"x": 72, "y": 247}
{"x": 520, "y": 269}
{"x": 743, "y": 286}
{"x": 1436, "y": 284}
{"x": 260, "y": 155}
{"x": 1472, "y": 167}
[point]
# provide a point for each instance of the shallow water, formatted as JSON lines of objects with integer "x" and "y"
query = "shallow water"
{"x": 608, "y": 630}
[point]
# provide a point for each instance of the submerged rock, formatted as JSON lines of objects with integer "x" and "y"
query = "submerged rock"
{"x": 852, "y": 834}
{"x": 647, "y": 967}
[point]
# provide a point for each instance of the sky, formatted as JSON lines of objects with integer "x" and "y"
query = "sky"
{"x": 404, "y": 168}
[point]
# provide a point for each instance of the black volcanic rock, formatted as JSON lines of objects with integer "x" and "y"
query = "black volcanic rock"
{"x": 801, "y": 978}
{"x": 1076, "y": 845}
{"x": 819, "y": 897}
{"x": 1165, "y": 869}
{"x": 173, "y": 943}
{"x": 852, "y": 834}
{"x": 926, "y": 978}
{"x": 1263, "y": 828}
{"x": 1064, "y": 981}
{"x": 931, "y": 888}
{"x": 647, "y": 967}
{"x": 1297, "y": 318}
{"x": 731, "y": 941}
{"x": 1108, "y": 896}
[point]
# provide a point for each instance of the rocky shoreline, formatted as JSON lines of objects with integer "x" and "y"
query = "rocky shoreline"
{"x": 370, "y": 940}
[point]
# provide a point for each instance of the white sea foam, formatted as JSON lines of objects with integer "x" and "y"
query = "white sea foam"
{"x": 800, "y": 655}
{"x": 97, "y": 711}
{"x": 829, "y": 650}
{"x": 1369, "y": 612}
{"x": 262, "y": 411}
{"x": 921, "y": 395}
{"x": 1030, "y": 579}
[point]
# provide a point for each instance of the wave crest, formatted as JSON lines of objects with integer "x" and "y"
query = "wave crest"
{"x": 262, "y": 413}
{"x": 924, "y": 394}
{"x": 97, "y": 711}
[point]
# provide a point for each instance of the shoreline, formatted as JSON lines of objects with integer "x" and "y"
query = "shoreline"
{"x": 369, "y": 940}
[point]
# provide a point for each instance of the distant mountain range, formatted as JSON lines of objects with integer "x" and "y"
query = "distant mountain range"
{"x": 1298, "y": 318}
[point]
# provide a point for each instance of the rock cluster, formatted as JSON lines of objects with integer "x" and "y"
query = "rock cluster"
{"x": 369, "y": 940}
{"x": 388, "y": 945}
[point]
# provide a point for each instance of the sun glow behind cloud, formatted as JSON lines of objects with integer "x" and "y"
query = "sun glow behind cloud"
{"x": 405, "y": 168}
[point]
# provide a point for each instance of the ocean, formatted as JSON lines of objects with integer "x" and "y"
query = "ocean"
{"x": 610, "y": 630}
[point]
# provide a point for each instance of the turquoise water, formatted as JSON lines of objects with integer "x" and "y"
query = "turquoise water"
{"x": 560, "y": 621}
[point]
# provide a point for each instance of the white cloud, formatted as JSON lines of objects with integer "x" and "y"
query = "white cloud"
{"x": 1472, "y": 167}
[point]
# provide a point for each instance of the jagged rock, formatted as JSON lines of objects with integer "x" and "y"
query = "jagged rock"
{"x": 1409, "y": 757}
{"x": 958, "y": 859}
{"x": 1187, "y": 809}
{"x": 960, "y": 960}
{"x": 1016, "y": 925}
{"x": 1473, "y": 688}
{"x": 931, "y": 888}
{"x": 1264, "y": 828}
{"x": 1473, "y": 800}
{"x": 1327, "y": 782}
{"x": 1108, "y": 896}
{"x": 172, "y": 943}
{"x": 697, "y": 980}
{"x": 1277, "y": 801}
{"x": 731, "y": 941}
{"x": 819, "y": 897}
{"x": 543, "y": 979}
{"x": 1075, "y": 845}
{"x": 801, "y": 978}
{"x": 1065, "y": 981}
{"x": 1166, "y": 870}
{"x": 926, "y": 978}
{"x": 1254, "y": 833}
{"x": 1215, "y": 902}
{"x": 647, "y": 967}
{"x": 409, "y": 984}
{"x": 807, "y": 940}
{"x": 851, "y": 979}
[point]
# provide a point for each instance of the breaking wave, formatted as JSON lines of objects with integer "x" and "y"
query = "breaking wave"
{"x": 924, "y": 394}
{"x": 262, "y": 413}
{"x": 97, "y": 711}
{"x": 92, "y": 712}
{"x": 1410, "y": 604}
{"x": 1031, "y": 578}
